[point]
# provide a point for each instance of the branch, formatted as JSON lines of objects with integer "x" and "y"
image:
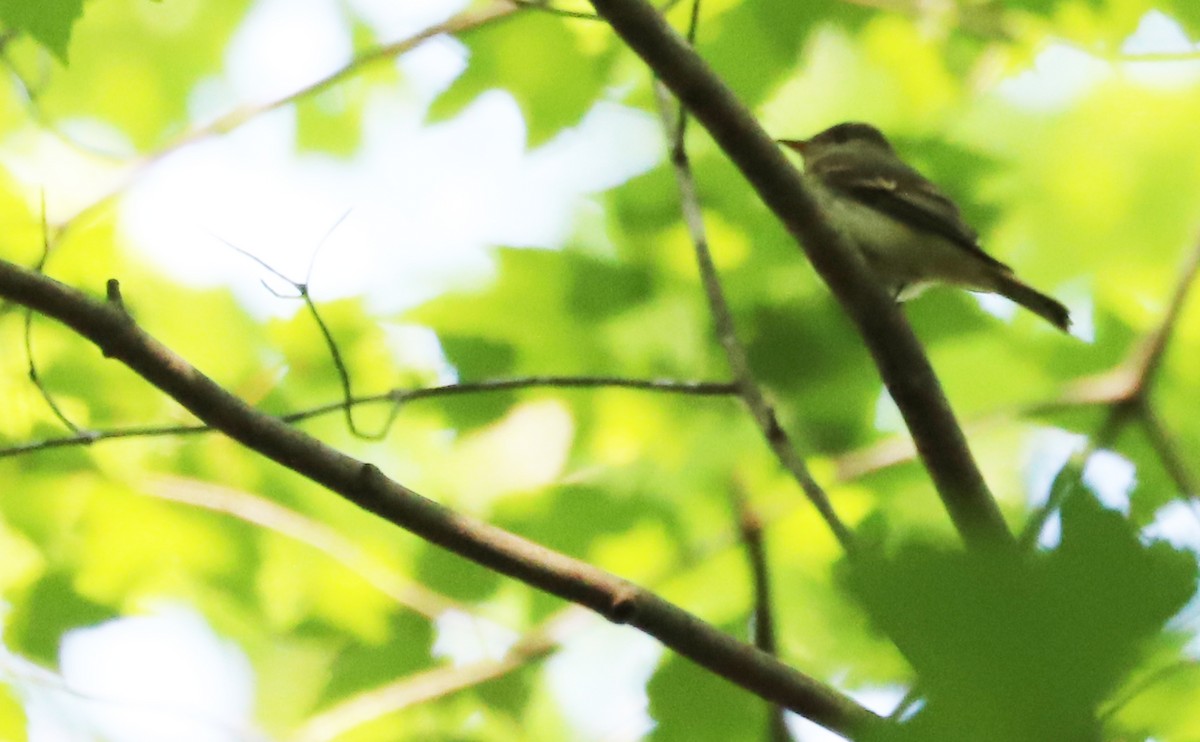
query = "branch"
{"x": 33, "y": 374}
{"x": 735, "y": 354}
{"x": 118, "y": 337}
{"x": 397, "y": 397}
{"x": 750, "y": 526}
{"x": 902, "y": 364}
{"x": 669, "y": 386}
{"x": 1126, "y": 391}
{"x": 335, "y": 354}
{"x": 1149, "y": 358}
{"x": 1169, "y": 454}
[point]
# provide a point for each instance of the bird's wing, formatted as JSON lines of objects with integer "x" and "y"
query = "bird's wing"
{"x": 904, "y": 194}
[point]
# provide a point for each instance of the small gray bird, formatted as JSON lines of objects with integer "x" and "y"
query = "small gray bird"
{"x": 910, "y": 233}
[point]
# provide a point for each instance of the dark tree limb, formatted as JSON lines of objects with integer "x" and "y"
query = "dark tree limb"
{"x": 113, "y": 330}
{"x": 902, "y": 363}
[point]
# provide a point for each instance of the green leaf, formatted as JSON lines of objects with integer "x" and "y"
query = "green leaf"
{"x": 754, "y": 46}
{"x": 543, "y": 313}
{"x": 330, "y": 122}
{"x": 1163, "y": 705}
{"x": 50, "y": 22}
{"x": 1184, "y": 11}
{"x": 821, "y": 387}
{"x": 689, "y": 704}
{"x": 362, "y": 666}
{"x": 135, "y": 65}
{"x": 1051, "y": 635}
{"x": 541, "y": 59}
{"x": 52, "y": 607}
{"x": 453, "y": 575}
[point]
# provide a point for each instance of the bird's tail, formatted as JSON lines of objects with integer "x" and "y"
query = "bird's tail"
{"x": 1033, "y": 300}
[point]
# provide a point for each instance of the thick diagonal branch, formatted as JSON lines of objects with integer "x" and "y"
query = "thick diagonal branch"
{"x": 902, "y": 363}
{"x": 118, "y": 337}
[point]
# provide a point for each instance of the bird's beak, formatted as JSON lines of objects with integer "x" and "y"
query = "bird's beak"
{"x": 797, "y": 144}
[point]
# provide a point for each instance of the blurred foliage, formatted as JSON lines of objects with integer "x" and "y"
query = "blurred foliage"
{"x": 1044, "y": 640}
{"x": 535, "y": 73}
{"x": 48, "y": 22}
{"x": 1087, "y": 184}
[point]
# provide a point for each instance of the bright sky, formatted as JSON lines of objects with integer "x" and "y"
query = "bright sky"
{"x": 422, "y": 204}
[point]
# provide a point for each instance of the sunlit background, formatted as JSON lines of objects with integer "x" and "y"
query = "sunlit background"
{"x": 409, "y": 211}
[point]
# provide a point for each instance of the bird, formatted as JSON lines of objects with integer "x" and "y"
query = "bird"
{"x": 908, "y": 231}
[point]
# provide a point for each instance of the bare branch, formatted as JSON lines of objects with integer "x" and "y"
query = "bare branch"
{"x": 1126, "y": 391}
{"x": 397, "y": 397}
{"x": 1148, "y": 359}
{"x": 1169, "y": 454}
{"x": 750, "y": 526}
{"x": 34, "y": 377}
{"x": 739, "y": 363}
{"x": 335, "y": 353}
{"x": 366, "y": 486}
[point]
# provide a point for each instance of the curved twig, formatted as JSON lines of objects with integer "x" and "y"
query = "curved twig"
{"x": 397, "y": 398}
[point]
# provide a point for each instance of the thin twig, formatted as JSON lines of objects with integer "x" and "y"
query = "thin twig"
{"x": 397, "y": 398}
{"x": 750, "y": 527}
{"x": 1149, "y": 359}
{"x": 36, "y": 379}
{"x": 32, "y": 370}
{"x": 335, "y": 353}
{"x": 739, "y": 364}
{"x": 1128, "y": 388}
{"x": 676, "y": 138}
{"x": 1169, "y": 454}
